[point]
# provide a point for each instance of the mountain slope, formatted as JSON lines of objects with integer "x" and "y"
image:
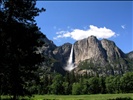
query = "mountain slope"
{"x": 51, "y": 64}
{"x": 90, "y": 55}
{"x": 130, "y": 55}
{"x": 100, "y": 57}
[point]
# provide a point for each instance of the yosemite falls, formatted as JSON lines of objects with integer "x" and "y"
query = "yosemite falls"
{"x": 70, "y": 65}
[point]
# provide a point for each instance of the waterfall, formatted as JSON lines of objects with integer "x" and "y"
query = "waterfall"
{"x": 70, "y": 60}
{"x": 70, "y": 65}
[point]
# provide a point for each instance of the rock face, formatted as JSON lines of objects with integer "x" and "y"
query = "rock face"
{"x": 87, "y": 49}
{"x": 90, "y": 55}
{"x": 112, "y": 51}
{"x": 62, "y": 53}
{"x": 98, "y": 50}
{"x": 130, "y": 55}
{"x": 100, "y": 57}
{"x": 48, "y": 47}
{"x": 51, "y": 63}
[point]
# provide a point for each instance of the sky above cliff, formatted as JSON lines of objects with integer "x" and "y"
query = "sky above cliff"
{"x": 69, "y": 21}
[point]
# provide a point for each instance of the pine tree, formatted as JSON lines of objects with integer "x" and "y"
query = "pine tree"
{"x": 19, "y": 39}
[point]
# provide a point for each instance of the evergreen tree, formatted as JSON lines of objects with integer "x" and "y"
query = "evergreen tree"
{"x": 66, "y": 88}
{"x": 57, "y": 85}
{"x": 126, "y": 82}
{"x": 117, "y": 84}
{"x": 19, "y": 39}
{"x": 76, "y": 89}
{"x": 85, "y": 87}
{"x": 94, "y": 85}
{"x": 110, "y": 86}
{"x": 102, "y": 84}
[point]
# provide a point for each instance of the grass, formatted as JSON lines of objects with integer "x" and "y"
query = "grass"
{"x": 83, "y": 97}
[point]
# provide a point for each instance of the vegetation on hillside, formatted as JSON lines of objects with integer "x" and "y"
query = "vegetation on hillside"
{"x": 94, "y": 68}
{"x": 78, "y": 85}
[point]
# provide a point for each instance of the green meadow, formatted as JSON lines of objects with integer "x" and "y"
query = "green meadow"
{"x": 82, "y": 97}
{"x": 128, "y": 96}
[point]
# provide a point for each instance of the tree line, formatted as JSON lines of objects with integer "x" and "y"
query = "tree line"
{"x": 78, "y": 84}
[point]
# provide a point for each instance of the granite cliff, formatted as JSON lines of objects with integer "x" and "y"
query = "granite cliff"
{"x": 100, "y": 57}
{"x": 130, "y": 55}
{"x": 90, "y": 55}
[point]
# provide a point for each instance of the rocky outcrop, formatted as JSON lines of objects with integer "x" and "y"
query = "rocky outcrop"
{"x": 99, "y": 57}
{"x": 130, "y": 55}
{"x": 51, "y": 63}
{"x": 62, "y": 53}
{"x": 47, "y": 48}
{"x": 89, "y": 48}
{"x": 112, "y": 51}
{"x": 90, "y": 55}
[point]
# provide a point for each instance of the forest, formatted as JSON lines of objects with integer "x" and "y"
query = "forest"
{"x": 83, "y": 84}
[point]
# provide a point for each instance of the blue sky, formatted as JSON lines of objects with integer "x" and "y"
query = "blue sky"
{"x": 69, "y": 21}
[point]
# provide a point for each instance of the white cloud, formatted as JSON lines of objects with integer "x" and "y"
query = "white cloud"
{"x": 61, "y": 32}
{"x": 78, "y": 34}
{"x": 123, "y": 26}
{"x": 59, "y": 36}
